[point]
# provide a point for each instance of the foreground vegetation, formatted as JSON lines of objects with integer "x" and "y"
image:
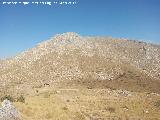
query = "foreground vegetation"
{"x": 89, "y": 104}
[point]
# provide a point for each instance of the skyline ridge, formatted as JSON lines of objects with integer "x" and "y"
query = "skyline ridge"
{"x": 21, "y": 27}
{"x": 74, "y": 34}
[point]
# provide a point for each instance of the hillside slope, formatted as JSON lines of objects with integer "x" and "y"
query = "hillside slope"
{"x": 90, "y": 61}
{"x": 71, "y": 77}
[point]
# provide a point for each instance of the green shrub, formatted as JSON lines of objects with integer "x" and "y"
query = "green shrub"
{"x": 111, "y": 109}
{"x": 157, "y": 104}
{"x": 21, "y": 99}
{"x": 8, "y": 97}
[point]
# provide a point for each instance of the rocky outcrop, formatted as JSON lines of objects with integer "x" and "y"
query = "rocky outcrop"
{"x": 8, "y": 111}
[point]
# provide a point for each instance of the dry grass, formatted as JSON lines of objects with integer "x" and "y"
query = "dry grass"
{"x": 87, "y": 104}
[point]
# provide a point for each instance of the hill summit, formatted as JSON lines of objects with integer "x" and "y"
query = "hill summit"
{"x": 67, "y": 36}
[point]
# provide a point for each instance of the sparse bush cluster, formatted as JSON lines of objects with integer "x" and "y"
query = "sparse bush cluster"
{"x": 157, "y": 104}
{"x": 21, "y": 99}
{"x": 111, "y": 109}
{"x": 12, "y": 99}
{"x": 8, "y": 97}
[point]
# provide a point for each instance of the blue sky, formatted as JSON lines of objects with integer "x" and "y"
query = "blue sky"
{"x": 22, "y": 27}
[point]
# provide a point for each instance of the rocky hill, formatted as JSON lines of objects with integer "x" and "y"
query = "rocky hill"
{"x": 72, "y": 77}
{"x": 72, "y": 58}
